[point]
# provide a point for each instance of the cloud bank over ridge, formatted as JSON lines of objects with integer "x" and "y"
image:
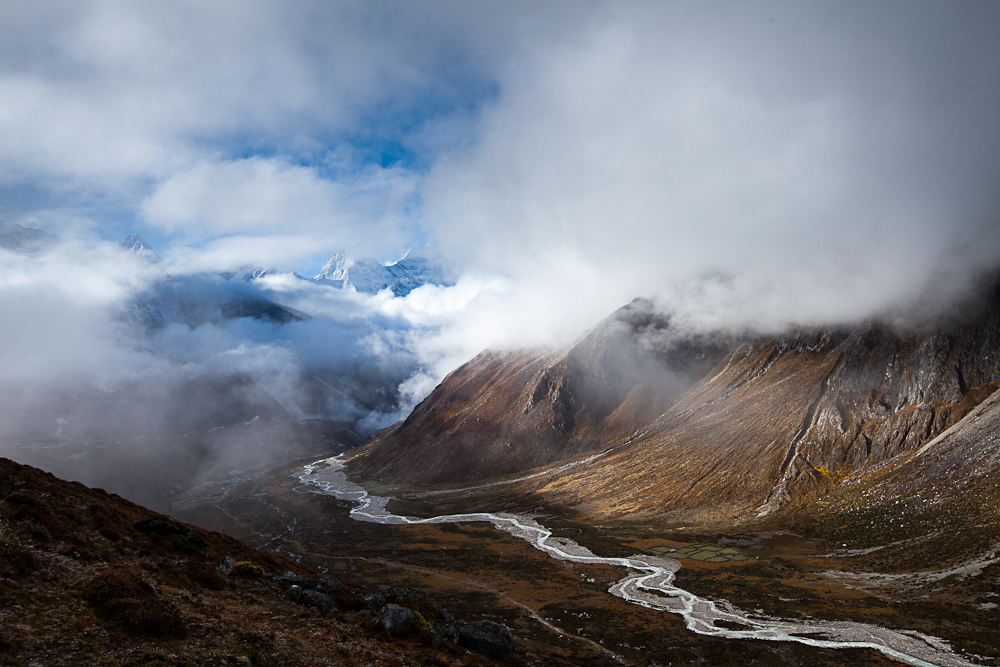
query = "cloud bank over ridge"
{"x": 748, "y": 164}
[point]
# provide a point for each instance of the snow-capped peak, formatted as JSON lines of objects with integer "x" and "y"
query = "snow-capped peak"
{"x": 248, "y": 273}
{"x": 336, "y": 268}
{"x": 137, "y": 245}
{"x": 368, "y": 275}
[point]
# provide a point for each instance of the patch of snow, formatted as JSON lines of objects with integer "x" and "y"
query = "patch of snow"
{"x": 418, "y": 267}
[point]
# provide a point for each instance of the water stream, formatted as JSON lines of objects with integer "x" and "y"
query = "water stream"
{"x": 649, "y": 582}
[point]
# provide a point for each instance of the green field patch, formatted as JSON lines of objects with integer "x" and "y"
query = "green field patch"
{"x": 661, "y": 549}
{"x": 699, "y": 552}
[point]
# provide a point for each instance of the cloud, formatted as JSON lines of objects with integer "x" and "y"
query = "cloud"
{"x": 294, "y": 209}
{"x": 102, "y": 345}
{"x": 752, "y": 164}
{"x": 821, "y": 160}
{"x": 58, "y": 309}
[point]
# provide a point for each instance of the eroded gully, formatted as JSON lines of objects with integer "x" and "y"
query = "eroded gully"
{"x": 649, "y": 582}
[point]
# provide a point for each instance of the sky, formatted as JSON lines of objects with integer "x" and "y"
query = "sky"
{"x": 744, "y": 163}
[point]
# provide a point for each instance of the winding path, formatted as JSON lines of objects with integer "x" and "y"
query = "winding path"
{"x": 650, "y": 582}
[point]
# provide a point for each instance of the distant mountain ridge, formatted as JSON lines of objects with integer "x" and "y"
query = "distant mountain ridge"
{"x": 418, "y": 267}
{"x": 24, "y": 239}
{"x": 139, "y": 247}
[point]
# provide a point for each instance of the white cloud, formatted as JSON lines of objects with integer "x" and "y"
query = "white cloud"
{"x": 58, "y": 311}
{"x": 276, "y": 212}
{"x": 679, "y": 141}
{"x": 755, "y": 163}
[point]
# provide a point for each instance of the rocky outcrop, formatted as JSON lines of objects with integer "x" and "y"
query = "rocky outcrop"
{"x": 491, "y": 639}
{"x": 400, "y": 612}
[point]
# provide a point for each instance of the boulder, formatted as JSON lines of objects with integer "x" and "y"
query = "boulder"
{"x": 326, "y": 585}
{"x": 401, "y": 621}
{"x": 225, "y": 568}
{"x": 374, "y": 602}
{"x": 490, "y": 639}
{"x": 444, "y": 633}
{"x": 321, "y": 601}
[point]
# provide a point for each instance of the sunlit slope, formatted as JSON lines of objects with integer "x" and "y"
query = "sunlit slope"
{"x": 927, "y": 508}
{"x": 785, "y": 419}
{"x": 704, "y": 428}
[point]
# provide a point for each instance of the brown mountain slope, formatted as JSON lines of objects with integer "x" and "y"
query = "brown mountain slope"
{"x": 782, "y": 419}
{"x": 776, "y": 418}
{"x": 926, "y": 508}
{"x": 505, "y": 412}
{"x": 88, "y": 578}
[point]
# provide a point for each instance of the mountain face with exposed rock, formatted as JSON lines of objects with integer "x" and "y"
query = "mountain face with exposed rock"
{"x": 538, "y": 408}
{"x": 700, "y": 427}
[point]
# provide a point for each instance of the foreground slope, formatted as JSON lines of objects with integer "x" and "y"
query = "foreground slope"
{"x": 87, "y": 577}
{"x": 710, "y": 428}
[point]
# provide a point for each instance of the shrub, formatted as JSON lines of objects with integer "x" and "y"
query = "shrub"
{"x": 205, "y": 576}
{"x": 246, "y": 569}
{"x": 132, "y": 604}
{"x": 15, "y": 559}
{"x": 109, "y": 533}
{"x": 149, "y": 618}
{"x": 162, "y": 525}
{"x": 169, "y": 531}
{"x": 105, "y": 588}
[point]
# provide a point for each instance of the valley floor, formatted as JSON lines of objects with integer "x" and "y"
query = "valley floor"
{"x": 562, "y": 610}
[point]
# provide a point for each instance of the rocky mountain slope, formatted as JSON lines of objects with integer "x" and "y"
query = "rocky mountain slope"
{"x": 504, "y": 412}
{"x": 698, "y": 428}
{"x": 87, "y": 577}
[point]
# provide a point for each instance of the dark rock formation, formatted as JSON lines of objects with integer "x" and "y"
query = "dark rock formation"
{"x": 399, "y": 620}
{"x": 490, "y": 639}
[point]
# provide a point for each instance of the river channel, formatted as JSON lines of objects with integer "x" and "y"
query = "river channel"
{"x": 649, "y": 582}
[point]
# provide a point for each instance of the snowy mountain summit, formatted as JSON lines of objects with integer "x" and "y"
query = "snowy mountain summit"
{"x": 137, "y": 245}
{"x": 248, "y": 273}
{"x": 368, "y": 275}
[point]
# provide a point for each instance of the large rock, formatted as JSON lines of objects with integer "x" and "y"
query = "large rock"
{"x": 400, "y": 620}
{"x": 490, "y": 639}
{"x": 321, "y": 601}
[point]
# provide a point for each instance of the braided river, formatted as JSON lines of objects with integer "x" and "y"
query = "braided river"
{"x": 649, "y": 581}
